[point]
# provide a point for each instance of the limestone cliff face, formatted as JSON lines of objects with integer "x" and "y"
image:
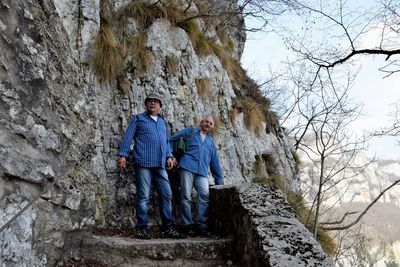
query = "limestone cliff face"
{"x": 60, "y": 127}
{"x": 363, "y": 187}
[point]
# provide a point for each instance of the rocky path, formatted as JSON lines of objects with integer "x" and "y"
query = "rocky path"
{"x": 100, "y": 249}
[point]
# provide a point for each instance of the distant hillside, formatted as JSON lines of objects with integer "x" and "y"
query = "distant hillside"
{"x": 390, "y": 167}
{"x": 379, "y": 226}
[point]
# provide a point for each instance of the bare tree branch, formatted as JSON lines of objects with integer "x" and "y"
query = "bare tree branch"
{"x": 365, "y": 210}
{"x": 341, "y": 220}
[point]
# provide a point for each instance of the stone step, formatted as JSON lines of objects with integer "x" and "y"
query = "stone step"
{"x": 128, "y": 251}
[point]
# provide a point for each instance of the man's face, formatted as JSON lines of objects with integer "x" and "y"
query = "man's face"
{"x": 153, "y": 106}
{"x": 207, "y": 124}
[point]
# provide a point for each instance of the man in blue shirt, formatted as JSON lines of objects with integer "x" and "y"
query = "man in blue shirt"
{"x": 201, "y": 153}
{"x": 151, "y": 153}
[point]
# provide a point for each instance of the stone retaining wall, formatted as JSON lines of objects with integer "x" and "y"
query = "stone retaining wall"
{"x": 263, "y": 226}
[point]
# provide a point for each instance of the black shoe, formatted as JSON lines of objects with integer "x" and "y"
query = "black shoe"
{"x": 189, "y": 230}
{"x": 203, "y": 232}
{"x": 172, "y": 233}
{"x": 142, "y": 233}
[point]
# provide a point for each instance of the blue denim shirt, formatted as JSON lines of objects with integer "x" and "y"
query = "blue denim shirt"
{"x": 150, "y": 139}
{"x": 200, "y": 154}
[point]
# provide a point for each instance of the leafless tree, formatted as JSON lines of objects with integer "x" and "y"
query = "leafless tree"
{"x": 332, "y": 152}
{"x": 394, "y": 128}
{"x": 333, "y": 35}
{"x": 335, "y": 32}
{"x": 348, "y": 241}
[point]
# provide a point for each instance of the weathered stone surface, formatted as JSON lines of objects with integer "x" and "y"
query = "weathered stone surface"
{"x": 264, "y": 227}
{"x": 124, "y": 251}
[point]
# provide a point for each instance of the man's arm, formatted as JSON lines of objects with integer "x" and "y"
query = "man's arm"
{"x": 169, "y": 147}
{"x": 173, "y": 138}
{"x": 215, "y": 167}
{"x": 181, "y": 133}
{"x": 171, "y": 161}
{"x": 126, "y": 142}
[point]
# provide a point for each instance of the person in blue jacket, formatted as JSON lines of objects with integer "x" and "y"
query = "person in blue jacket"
{"x": 200, "y": 155}
{"x": 151, "y": 153}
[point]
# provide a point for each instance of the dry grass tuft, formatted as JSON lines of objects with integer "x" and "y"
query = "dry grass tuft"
{"x": 172, "y": 64}
{"x": 328, "y": 243}
{"x": 192, "y": 29}
{"x": 172, "y": 12}
{"x": 143, "y": 12}
{"x": 217, "y": 126}
{"x": 138, "y": 42}
{"x": 278, "y": 181}
{"x": 253, "y": 116}
{"x": 206, "y": 9}
{"x": 123, "y": 46}
{"x": 144, "y": 61}
{"x": 108, "y": 61}
{"x": 250, "y": 89}
{"x": 233, "y": 114}
{"x": 271, "y": 120}
{"x": 141, "y": 56}
{"x": 203, "y": 86}
{"x": 226, "y": 41}
{"x": 253, "y": 119}
{"x": 226, "y": 60}
{"x": 202, "y": 45}
{"x": 200, "y": 42}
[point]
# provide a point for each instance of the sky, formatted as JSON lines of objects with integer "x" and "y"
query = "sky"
{"x": 264, "y": 51}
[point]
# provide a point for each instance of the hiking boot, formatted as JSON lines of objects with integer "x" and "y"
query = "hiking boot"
{"x": 142, "y": 233}
{"x": 172, "y": 233}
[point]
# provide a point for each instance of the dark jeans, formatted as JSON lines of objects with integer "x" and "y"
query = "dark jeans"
{"x": 144, "y": 178}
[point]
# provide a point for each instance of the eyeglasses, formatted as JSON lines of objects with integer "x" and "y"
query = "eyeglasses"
{"x": 152, "y": 100}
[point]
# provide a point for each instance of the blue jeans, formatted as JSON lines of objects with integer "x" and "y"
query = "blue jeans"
{"x": 200, "y": 183}
{"x": 144, "y": 178}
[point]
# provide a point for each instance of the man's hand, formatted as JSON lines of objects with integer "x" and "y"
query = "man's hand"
{"x": 171, "y": 162}
{"x": 121, "y": 162}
